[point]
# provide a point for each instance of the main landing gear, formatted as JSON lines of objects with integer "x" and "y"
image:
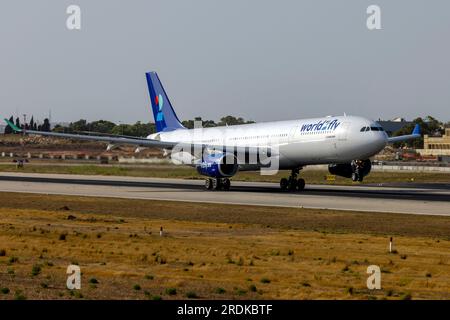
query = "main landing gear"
{"x": 357, "y": 166}
{"x": 292, "y": 183}
{"x": 217, "y": 184}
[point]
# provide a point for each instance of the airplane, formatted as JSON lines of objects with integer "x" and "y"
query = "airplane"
{"x": 344, "y": 143}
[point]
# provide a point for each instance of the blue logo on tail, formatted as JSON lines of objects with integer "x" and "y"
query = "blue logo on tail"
{"x": 159, "y": 102}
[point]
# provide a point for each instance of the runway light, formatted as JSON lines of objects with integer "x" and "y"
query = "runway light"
{"x": 390, "y": 245}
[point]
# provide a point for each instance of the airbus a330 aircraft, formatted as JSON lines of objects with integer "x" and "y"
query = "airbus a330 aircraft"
{"x": 345, "y": 143}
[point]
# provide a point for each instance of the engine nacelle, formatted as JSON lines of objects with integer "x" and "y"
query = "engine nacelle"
{"x": 341, "y": 169}
{"x": 218, "y": 166}
{"x": 361, "y": 167}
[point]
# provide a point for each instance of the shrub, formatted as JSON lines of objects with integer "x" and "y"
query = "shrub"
{"x": 36, "y": 270}
{"x": 44, "y": 285}
{"x": 252, "y": 288}
{"x": 2, "y": 252}
{"x": 403, "y": 256}
{"x": 349, "y": 290}
{"x": 191, "y": 295}
{"x": 265, "y": 280}
{"x": 93, "y": 281}
{"x": 156, "y": 298}
{"x": 220, "y": 290}
{"x": 4, "y": 290}
{"x": 137, "y": 287}
{"x": 428, "y": 275}
{"x": 406, "y": 296}
{"x": 171, "y": 291}
{"x": 241, "y": 292}
{"x": 13, "y": 259}
{"x": 62, "y": 236}
{"x": 149, "y": 277}
{"x": 19, "y": 296}
{"x": 306, "y": 284}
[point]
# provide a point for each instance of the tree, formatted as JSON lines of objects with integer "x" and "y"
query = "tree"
{"x": 231, "y": 121}
{"x": 80, "y": 125}
{"x": 102, "y": 126}
{"x": 18, "y": 125}
{"x": 136, "y": 130}
{"x": 46, "y": 125}
{"x": 31, "y": 125}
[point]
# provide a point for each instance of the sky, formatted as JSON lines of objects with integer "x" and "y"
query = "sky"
{"x": 261, "y": 60}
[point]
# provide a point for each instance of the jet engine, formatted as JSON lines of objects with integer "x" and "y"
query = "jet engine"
{"x": 218, "y": 166}
{"x": 356, "y": 170}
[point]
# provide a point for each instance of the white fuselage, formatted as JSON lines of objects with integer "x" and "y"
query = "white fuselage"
{"x": 299, "y": 142}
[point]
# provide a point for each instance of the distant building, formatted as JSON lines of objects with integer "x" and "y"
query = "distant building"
{"x": 393, "y": 125}
{"x": 436, "y": 146}
{"x": 2, "y": 128}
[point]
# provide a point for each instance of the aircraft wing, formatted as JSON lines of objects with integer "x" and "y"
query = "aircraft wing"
{"x": 414, "y": 135}
{"x": 194, "y": 149}
{"x": 109, "y": 139}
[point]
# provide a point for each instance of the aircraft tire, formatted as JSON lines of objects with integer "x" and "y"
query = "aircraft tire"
{"x": 301, "y": 184}
{"x": 283, "y": 183}
{"x": 226, "y": 184}
{"x": 208, "y": 184}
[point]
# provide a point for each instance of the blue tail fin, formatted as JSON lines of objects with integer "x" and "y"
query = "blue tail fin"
{"x": 165, "y": 117}
{"x": 416, "y": 129}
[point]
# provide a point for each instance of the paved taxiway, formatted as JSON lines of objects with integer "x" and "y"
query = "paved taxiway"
{"x": 433, "y": 199}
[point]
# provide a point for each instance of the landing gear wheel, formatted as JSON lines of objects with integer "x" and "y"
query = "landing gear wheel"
{"x": 292, "y": 184}
{"x": 355, "y": 176}
{"x": 208, "y": 184}
{"x": 301, "y": 184}
{"x": 216, "y": 184}
{"x": 283, "y": 183}
{"x": 226, "y": 184}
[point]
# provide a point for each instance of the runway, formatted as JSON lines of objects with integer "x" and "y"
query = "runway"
{"x": 421, "y": 199}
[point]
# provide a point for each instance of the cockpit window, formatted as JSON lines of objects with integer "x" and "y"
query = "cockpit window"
{"x": 367, "y": 128}
{"x": 374, "y": 128}
{"x": 363, "y": 129}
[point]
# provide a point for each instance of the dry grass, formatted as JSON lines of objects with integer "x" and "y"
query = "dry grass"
{"x": 117, "y": 242}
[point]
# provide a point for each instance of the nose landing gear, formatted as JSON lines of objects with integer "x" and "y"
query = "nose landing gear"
{"x": 292, "y": 183}
{"x": 217, "y": 184}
